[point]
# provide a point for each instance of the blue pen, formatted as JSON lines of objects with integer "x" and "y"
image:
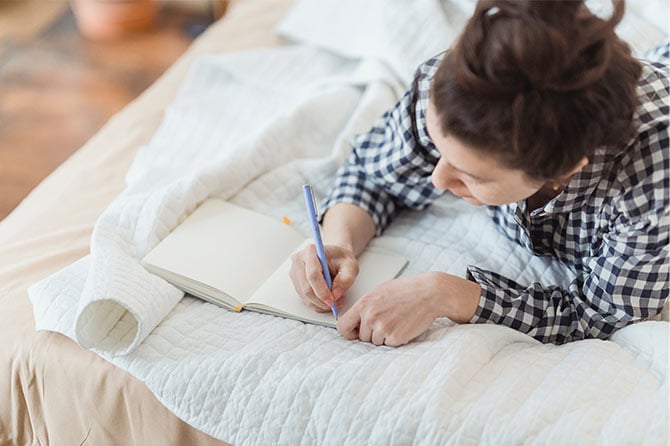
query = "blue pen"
{"x": 320, "y": 250}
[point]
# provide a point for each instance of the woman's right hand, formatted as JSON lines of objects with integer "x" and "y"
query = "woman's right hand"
{"x": 307, "y": 276}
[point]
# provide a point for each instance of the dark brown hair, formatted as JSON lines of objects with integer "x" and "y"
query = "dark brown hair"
{"x": 537, "y": 84}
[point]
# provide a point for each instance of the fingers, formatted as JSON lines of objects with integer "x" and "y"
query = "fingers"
{"x": 349, "y": 323}
{"x": 362, "y": 331}
{"x": 378, "y": 338}
{"x": 308, "y": 279}
{"x": 367, "y": 334}
{"x": 347, "y": 271}
{"x": 352, "y": 326}
{"x": 378, "y": 319}
{"x": 315, "y": 279}
{"x": 306, "y": 274}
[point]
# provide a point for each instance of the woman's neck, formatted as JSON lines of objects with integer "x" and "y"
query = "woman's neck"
{"x": 543, "y": 196}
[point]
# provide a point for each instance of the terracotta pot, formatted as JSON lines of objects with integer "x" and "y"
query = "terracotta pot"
{"x": 111, "y": 19}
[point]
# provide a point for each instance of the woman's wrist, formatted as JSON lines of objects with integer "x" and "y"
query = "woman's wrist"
{"x": 456, "y": 298}
{"x": 348, "y": 226}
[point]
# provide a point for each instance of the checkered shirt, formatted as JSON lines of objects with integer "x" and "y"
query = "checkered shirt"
{"x": 611, "y": 223}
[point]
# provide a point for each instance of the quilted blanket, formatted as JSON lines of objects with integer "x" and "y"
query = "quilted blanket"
{"x": 251, "y": 128}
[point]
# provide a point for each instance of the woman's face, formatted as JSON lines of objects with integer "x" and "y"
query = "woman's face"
{"x": 478, "y": 179}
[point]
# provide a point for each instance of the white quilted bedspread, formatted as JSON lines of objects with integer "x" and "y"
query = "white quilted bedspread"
{"x": 252, "y": 127}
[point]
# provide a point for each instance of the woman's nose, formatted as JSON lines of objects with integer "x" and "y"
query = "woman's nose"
{"x": 444, "y": 176}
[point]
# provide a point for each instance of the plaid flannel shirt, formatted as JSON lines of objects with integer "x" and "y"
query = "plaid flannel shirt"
{"x": 611, "y": 223}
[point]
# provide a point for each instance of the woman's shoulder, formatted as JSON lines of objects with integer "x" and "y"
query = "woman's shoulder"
{"x": 642, "y": 169}
{"x": 426, "y": 70}
{"x": 652, "y": 116}
{"x": 654, "y": 85}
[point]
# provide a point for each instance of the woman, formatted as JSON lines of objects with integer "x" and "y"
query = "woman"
{"x": 539, "y": 112}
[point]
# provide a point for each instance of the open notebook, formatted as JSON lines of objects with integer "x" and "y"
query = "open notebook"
{"x": 240, "y": 259}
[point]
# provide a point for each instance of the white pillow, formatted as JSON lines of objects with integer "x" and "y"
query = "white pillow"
{"x": 404, "y": 33}
{"x": 401, "y": 33}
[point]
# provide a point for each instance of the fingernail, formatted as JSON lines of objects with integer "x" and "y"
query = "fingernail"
{"x": 337, "y": 292}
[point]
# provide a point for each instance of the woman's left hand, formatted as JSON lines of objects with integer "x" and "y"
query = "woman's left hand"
{"x": 399, "y": 310}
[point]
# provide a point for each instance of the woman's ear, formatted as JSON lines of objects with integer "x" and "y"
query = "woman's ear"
{"x": 560, "y": 182}
{"x": 583, "y": 162}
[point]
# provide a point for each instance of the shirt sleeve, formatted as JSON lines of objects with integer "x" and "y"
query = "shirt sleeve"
{"x": 390, "y": 166}
{"x": 626, "y": 282}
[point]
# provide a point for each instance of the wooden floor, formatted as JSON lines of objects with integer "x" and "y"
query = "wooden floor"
{"x": 58, "y": 88}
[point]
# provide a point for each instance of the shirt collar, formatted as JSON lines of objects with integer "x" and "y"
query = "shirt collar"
{"x": 579, "y": 189}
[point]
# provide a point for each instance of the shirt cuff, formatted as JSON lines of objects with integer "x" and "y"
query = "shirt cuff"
{"x": 493, "y": 287}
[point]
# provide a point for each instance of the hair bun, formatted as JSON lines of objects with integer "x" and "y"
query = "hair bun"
{"x": 515, "y": 46}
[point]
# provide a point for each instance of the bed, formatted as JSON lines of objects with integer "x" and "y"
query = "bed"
{"x": 257, "y": 379}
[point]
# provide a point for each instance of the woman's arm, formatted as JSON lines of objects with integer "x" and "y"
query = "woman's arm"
{"x": 348, "y": 226}
{"x": 399, "y": 310}
{"x": 624, "y": 282}
{"x": 390, "y": 166}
